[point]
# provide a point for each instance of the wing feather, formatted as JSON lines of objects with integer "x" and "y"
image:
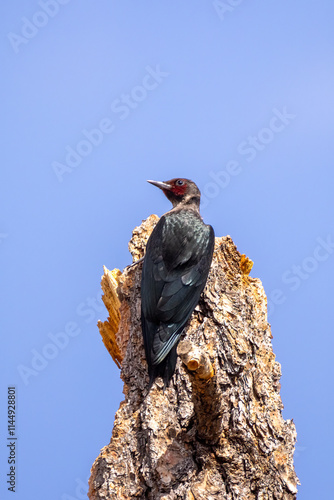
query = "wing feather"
{"x": 174, "y": 274}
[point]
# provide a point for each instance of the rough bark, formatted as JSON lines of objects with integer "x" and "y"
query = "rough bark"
{"x": 217, "y": 432}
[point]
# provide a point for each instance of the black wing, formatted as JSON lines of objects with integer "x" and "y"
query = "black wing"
{"x": 176, "y": 266}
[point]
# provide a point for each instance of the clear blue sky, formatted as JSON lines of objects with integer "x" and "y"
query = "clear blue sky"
{"x": 97, "y": 98}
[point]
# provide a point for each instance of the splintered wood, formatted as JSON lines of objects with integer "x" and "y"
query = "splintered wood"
{"x": 108, "y": 329}
{"x": 217, "y": 431}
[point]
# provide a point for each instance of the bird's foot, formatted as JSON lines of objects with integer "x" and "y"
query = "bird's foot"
{"x": 134, "y": 263}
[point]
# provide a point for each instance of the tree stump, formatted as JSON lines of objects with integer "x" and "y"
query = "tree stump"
{"x": 217, "y": 431}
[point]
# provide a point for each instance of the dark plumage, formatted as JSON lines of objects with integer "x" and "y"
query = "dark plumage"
{"x": 176, "y": 266}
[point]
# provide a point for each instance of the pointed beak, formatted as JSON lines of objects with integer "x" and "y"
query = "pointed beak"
{"x": 161, "y": 185}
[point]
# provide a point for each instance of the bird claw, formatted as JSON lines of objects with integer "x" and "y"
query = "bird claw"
{"x": 135, "y": 263}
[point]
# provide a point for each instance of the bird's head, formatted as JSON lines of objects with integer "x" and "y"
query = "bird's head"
{"x": 179, "y": 191}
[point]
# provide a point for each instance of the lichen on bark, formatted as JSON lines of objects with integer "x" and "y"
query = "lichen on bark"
{"x": 216, "y": 437}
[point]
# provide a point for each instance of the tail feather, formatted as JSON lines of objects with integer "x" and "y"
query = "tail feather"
{"x": 165, "y": 369}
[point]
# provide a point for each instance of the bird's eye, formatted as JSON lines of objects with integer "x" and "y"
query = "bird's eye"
{"x": 179, "y": 182}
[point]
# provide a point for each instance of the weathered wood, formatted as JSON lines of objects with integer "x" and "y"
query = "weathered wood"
{"x": 203, "y": 438}
{"x": 195, "y": 359}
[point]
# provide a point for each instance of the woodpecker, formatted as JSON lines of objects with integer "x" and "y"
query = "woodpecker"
{"x": 175, "y": 269}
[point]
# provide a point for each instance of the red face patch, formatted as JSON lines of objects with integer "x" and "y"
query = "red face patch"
{"x": 179, "y": 186}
